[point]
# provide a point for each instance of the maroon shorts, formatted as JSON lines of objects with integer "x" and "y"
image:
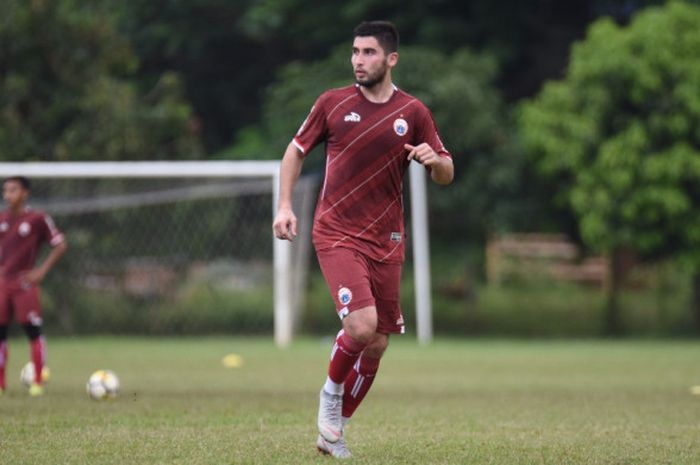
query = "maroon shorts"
{"x": 356, "y": 282}
{"x": 21, "y": 299}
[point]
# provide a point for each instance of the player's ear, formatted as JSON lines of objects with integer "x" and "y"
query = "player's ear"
{"x": 392, "y": 59}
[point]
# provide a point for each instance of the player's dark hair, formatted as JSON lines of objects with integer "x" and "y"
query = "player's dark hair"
{"x": 384, "y": 31}
{"x": 23, "y": 181}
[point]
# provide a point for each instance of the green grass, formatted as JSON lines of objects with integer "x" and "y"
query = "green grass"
{"x": 454, "y": 402}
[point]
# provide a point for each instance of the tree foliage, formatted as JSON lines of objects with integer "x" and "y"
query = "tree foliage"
{"x": 619, "y": 137}
{"x": 66, "y": 92}
{"x": 459, "y": 88}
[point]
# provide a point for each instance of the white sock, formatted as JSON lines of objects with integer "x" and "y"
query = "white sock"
{"x": 333, "y": 388}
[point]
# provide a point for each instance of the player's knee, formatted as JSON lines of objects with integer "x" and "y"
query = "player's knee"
{"x": 361, "y": 325}
{"x": 32, "y": 331}
{"x": 3, "y": 333}
{"x": 377, "y": 347}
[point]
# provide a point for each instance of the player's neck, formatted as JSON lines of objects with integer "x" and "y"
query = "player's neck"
{"x": 381, "y": 92}
{"x": 16, "y": 210}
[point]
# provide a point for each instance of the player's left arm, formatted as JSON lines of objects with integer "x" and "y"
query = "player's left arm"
{"x": 442, "y": 170}
{"x": 427, "y": 148}
{"x": 38, "y": 274}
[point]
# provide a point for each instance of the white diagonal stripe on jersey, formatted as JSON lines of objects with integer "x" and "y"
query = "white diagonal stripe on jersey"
{"x": 340, "y": 103}
{"x": 358, "y": 384}
{"x": 370, "y": 225}
{"x": 368, "y": 130}
{"x": 389, "y": 254}
{"x": 359, "y": 186}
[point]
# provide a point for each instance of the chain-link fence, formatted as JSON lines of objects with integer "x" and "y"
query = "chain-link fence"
{"x": 164, "y": 256}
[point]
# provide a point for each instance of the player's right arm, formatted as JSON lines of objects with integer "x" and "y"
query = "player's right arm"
{"x": 285, "y": 223}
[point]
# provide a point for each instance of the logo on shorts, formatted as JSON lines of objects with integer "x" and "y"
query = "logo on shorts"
{"x": 400, "y": 126}
{"x": 24, "y": 229}
{"x": 344, "y": 295}
{"x": 400, "y": 321}
{"x": 4, "y": 226}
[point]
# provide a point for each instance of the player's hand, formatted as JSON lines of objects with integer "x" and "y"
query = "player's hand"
{"x": 34, "y": 276}
{"x": 285, "y": 224}
{"x": 422, "y": 153}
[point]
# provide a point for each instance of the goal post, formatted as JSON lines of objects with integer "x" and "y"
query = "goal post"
{"x": 288, "y": 262}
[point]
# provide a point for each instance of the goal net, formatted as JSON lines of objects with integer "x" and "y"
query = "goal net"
{"x": 180, "y": 247}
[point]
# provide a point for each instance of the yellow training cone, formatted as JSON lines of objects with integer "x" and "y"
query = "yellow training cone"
{"x": 232, "y": 361}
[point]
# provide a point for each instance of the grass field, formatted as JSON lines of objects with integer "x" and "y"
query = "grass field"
{"x": 454, "y": 402}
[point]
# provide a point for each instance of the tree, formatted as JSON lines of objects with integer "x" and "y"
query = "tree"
{"x": 66, "y": 94}
{"x": 228, "y": 51}
{"x": 619, "y": 138}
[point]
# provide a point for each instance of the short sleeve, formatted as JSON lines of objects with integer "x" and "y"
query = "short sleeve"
{"x": 313, "y": 129}
{"x": 50, "y": 232}
{"x": 427, "y": 132}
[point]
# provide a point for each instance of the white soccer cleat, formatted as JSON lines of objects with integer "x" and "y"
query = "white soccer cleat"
{"x": 329, "y": 413}
{"x": 336, "y": 449}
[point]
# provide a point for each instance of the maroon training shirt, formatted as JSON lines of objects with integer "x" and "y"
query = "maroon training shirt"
{"x": 21, "y": 237}
{"x": 360, "y": 205}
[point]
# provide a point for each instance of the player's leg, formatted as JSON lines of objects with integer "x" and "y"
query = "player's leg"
{"x": 4, "y": 323}
{"x": 3, "y": 355}
{"x": 37, "y": 349}
{"x": 28, "y": 309}
{"x": 347, "y": 276}
{"x": 360, "y": 379}
{"x": 385, "y": 280}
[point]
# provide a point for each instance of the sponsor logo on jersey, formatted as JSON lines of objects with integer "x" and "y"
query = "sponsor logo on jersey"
{"x": 400, "y": 126}
{"x": 344, "y": 295}
{"x": 342, "y": 313}
{"x": 395, "y": 237}
{"x": 352, "y": 117}
{"x": 24, "y": 229}
{"x": 4, "y": 226}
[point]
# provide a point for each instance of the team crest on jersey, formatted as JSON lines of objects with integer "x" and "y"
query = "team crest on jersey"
{"x": 4, "y": 226}
{"x": 344, "y": 295}
{"x": 353, "y": 117}
{"x": 24, "y": 229}
{"x": 400, "y": 126}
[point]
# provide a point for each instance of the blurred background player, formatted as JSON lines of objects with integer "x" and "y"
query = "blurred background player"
{"x": 22, "y": 233}
{"x": 372, "y": 131}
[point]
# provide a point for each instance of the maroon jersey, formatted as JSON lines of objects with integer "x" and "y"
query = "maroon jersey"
{"x": 361, "y": 205}
{"x": 21, "y": 236}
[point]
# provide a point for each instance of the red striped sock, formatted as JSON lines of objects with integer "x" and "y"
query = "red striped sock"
{"x": 3, "y": 363}
{"x": 345, "y": 353}
{"x": 358, "y": 382}
{"x": 38, "y": 354}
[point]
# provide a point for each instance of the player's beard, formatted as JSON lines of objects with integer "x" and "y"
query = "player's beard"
{"x": 375, "y": 78}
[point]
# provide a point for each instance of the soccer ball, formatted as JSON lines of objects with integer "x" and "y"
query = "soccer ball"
{"x": 26, "y": 375}
{"x": 103, "y": 384}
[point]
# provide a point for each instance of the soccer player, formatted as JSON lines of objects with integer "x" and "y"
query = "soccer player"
{"x": 22, "y": 232}
{"x": 372, "y": 131}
